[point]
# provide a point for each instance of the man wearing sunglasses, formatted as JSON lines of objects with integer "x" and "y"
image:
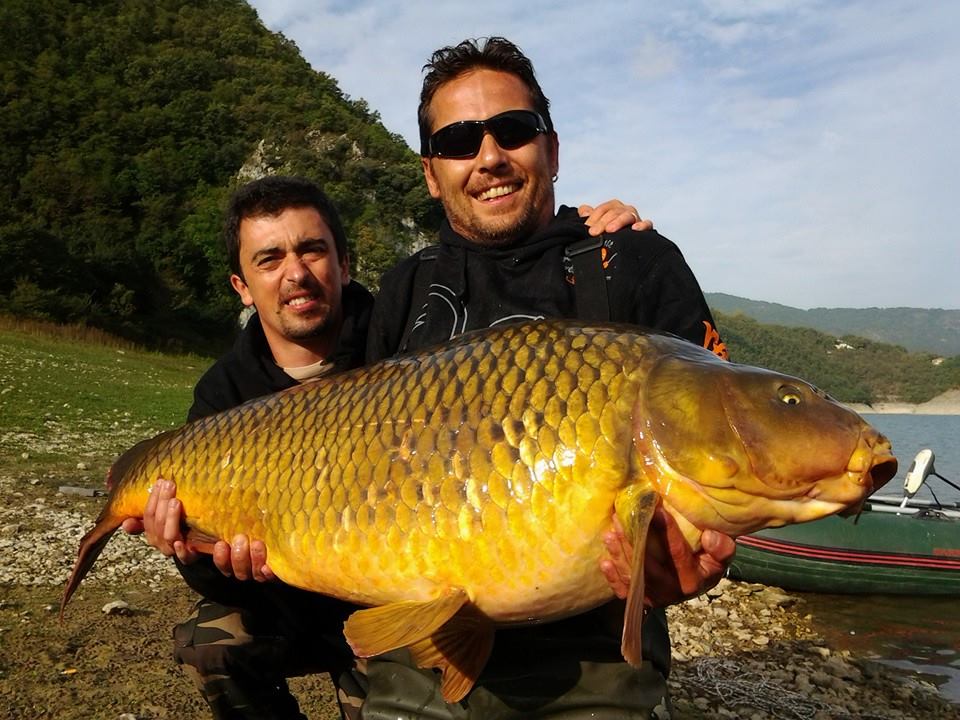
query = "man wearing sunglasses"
{"x": 490, "y": 155}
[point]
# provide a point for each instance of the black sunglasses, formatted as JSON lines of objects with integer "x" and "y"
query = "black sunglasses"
{"x": 510, "y": 129}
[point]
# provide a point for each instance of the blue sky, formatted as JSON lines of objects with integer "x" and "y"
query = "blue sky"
{"x": 799, "y": 152}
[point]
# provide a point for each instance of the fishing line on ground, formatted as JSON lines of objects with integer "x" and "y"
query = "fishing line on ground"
{"x": 734, "y": 685}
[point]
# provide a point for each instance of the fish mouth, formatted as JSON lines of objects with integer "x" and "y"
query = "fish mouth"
{"x": 875, "y": 463}
{"x": 882, "y": 465}
{"x": 883, "y": 471}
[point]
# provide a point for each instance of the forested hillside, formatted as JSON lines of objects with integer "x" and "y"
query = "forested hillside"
{"x": 933, "y": 330}
{"x": 123, "y": 126}
{"x": 850, "y": 368}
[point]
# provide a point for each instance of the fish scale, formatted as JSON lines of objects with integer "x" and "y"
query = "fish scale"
{"x": 443, "y": 462}
{"x": 471, "y": 484}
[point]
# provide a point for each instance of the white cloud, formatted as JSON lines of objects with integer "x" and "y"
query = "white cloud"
{"x": 799, "y": 151}
{"x": 654, "y": 59}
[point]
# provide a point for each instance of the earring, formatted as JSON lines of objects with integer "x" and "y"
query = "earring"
{"x": 554, "y": 178}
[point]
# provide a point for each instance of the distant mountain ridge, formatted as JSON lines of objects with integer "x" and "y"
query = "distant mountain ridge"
{"x": 931, "y": 330}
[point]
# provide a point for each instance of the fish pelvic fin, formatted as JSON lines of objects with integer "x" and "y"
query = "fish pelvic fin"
{"x": 377, "y": 630}
{"x": 460, "y": 649}
{"x": 91, "y": 546}
{"x": 636, "y": 507}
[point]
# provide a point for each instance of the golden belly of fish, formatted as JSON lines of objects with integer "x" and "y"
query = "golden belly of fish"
{"x": 476, "y": 480}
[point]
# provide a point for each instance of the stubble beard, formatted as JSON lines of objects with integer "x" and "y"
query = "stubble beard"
{"x": 323, "y": 322}
{"x": 496, "y": 231}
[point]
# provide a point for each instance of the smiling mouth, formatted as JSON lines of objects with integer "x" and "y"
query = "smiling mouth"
{"x": 300, "y": 301}
{"x": 499, "y": 191}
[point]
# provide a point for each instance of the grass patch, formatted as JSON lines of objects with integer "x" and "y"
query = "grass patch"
{"x": 73, "y": 398}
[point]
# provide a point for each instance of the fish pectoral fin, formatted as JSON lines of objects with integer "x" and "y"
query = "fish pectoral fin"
{"x": 460, "y": 649}
{"x": 377, "y": 630}
{"x": 639, "y": 516}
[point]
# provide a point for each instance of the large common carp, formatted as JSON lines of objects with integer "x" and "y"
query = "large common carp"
{"x": 470, "y": 485}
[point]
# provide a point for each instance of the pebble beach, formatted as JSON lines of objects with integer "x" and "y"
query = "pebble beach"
{"x": 740, "y": 651}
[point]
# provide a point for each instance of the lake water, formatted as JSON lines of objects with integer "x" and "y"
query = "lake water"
{"x": 910, "y": 434}
{"x": 918, "y": 635}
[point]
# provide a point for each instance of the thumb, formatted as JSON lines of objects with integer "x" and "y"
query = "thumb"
{"x": 718, "y": 545}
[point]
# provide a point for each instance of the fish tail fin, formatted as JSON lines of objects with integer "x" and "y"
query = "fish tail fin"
{"x": 128, "y": 498}
{"x": 91, "y": 546}
{"x": 638, "y": 527}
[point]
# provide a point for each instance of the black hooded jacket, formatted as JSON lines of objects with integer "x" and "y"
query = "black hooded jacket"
{"x": 459, "y": 286}
{"x": 469, "y": 286}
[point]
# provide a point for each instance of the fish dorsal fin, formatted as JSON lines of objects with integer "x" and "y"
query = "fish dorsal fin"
{"x": 459, "y": 649}
{"x": 377, "y": 630}
{"x": 640, "y": 503}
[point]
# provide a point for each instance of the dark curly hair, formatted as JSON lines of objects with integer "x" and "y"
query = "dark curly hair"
{"x": 493, "y": 53}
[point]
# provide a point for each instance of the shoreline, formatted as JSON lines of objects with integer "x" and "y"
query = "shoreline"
{"x": 947, "y": 403}
{"x": 743, "y": 650}
{"x": 899, "y": 409}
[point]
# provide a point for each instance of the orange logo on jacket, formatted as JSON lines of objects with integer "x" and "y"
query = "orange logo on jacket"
{"x": 605, "y": 259}
{"x": 712, "y": 341}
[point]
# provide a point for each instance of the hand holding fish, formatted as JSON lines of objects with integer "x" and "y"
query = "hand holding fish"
{"x": 672, "y": 576}
{"x": 162, "y": 526}
{"x": 243, "y": 559}
{"x": 162, "y": 523}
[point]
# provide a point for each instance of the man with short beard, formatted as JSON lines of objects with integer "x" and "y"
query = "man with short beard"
{"x": 491, "y": 156}
{"x": 288, "y": 258}
{"x": 287, "y": 252}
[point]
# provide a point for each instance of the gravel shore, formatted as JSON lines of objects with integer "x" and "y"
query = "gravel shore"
{"x": 947, "y": 403}
{"x": 740, "y": 651}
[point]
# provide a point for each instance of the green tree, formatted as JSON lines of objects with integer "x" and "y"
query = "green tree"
{"x": 124, "y": 127}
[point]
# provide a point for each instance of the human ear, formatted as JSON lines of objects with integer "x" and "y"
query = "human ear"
{"x": 432, "y": 185}
{"x": 242, "y": 290}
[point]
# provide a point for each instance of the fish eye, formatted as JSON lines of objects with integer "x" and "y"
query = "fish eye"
{"x": 789, "y": 395}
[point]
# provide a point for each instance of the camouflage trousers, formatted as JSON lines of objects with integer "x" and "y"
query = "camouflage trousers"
{"x": 570, "y": 669}
{"x": 241, "y": 666}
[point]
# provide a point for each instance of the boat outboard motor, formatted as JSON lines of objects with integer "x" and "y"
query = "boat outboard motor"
{"x": 920, "y": 468}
